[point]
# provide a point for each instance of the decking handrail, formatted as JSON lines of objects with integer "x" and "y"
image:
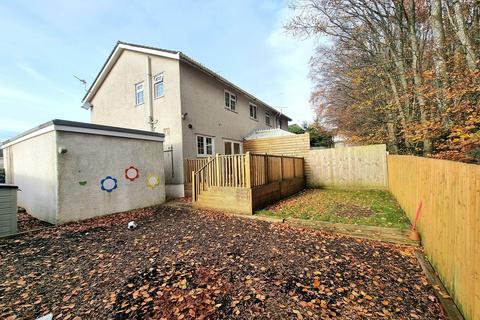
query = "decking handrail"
{"x": 243, "y": 171}
{"x": 210, "y": 160}
{"x": 198, "y": 179}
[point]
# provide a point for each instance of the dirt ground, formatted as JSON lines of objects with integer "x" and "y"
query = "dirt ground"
{"x": 182, "y": 264}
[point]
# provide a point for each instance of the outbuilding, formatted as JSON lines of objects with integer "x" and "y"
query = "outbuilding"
{"x": 69, "y": 171}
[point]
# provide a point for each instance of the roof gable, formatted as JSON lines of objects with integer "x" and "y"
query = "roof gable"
{"x": 115, "y": 55}
{"x": 177, "y": 55}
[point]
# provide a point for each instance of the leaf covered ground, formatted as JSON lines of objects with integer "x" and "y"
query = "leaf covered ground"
{"x": 364, "y": 207}
{"x": 188, "y": 264}
{"x": 26, "y": 222}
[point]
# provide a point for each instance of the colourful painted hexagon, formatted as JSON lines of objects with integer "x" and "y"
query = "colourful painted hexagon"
{"x": 132, "y": 173}
{"x": 108, "y": 184}
{"x": 152, "y": 181}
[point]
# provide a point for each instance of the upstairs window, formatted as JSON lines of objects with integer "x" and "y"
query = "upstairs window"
{"x": 253, "y": 111}
{"x": 139, "y": 94}
{"x": 204, "y": 146}
{"x": 267, "y": 119}
{"x": 230, "y": 101}
{"x": 158, "y": 86}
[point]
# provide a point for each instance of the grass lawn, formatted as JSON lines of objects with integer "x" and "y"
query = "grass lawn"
{"x": 365, "y": 207}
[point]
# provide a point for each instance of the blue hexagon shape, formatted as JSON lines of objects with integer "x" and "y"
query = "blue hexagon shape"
{"x": 108, "y": 184}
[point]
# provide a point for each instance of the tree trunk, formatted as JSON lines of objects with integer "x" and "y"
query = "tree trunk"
{"x": 438, "y": 33}
{"x": 417, "y": 79}
{"x": 463, "y": 36}
{"x": 401, "y": 113}
{"x": 392, "y": 143}
{"x": 392, "y": 138}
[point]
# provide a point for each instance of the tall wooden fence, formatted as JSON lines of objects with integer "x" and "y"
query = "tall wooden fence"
{"x": 269, "y": 168}
{"x": 450, "y": 220}
{"x": 345, "y": 167}
{"x": 349, "y": 167}
{"x": 292, "y": 145}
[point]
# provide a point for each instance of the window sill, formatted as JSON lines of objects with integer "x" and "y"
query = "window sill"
{"x": 234, "y": 111}
{"x": 253, "y": 119}
{"x": 139, "y": 105}
{"x": 156, "y": 98}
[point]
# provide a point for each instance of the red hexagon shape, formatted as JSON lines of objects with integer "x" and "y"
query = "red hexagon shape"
{"x": 132, "y": 173}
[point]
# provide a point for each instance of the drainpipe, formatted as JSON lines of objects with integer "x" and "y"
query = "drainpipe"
{"x": 149, "y": 94}
{"x": 277, "y": 116}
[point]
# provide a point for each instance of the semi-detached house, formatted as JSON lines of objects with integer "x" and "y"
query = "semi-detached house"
{"x": 200, "y": 112}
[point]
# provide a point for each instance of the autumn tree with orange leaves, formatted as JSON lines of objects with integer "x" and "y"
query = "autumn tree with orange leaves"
{"x": 401, "y": 72}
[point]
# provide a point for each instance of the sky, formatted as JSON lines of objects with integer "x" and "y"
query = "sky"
{"x": 45, "y": 43}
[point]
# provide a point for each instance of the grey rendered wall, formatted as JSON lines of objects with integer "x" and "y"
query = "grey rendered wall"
{"x": 203, "y": 99}
{"x": 114, "y": 104}
{"x": 89, "y": 159}
{"x": 31, "y": 164}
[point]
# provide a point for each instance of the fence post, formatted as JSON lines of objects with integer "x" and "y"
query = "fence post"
{"x": 185, "y": 168}
{"x": 193, "y": 187}
{"x": 266, "y": 168}
{"x": 294, "y": 175}
{"x": 303, "y": 167}
{"x": 281, "y": 168}
{"x": 248, "y": 169}
{"x": 217, "y": 168}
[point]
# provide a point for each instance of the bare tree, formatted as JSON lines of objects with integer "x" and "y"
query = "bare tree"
{"x": 392, "y": 74}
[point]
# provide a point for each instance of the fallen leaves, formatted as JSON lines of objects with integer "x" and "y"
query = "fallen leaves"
{"x": 200, "y": 265}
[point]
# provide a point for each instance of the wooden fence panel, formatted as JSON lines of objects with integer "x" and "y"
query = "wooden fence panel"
{"x": 292, "y": 145}
{"x": 274, "y": 168}
{"x": 258, "y": 170}
{"x": 193, "y": 165}
{"x": 299, "y": 166}
{"x": 288, "y": 168}
{"x": 348, "y": 167}
{"x": 450, "y": 220}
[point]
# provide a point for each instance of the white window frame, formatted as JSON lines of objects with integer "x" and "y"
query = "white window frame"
{"x": 250, "y": 105}
{"x": 230, "y": 96}
{"x": 231, "y": 145}
{"x": 269, "y": 118}
{"x": 204, "y": 154}
{"x": 158, "y": 79}
{"x": 137, "y": 91}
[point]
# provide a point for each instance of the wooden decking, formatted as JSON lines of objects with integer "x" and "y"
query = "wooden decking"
{"x": 244, "y": 183}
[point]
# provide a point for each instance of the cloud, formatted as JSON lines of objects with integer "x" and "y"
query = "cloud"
{"x": 291, "y": 57}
